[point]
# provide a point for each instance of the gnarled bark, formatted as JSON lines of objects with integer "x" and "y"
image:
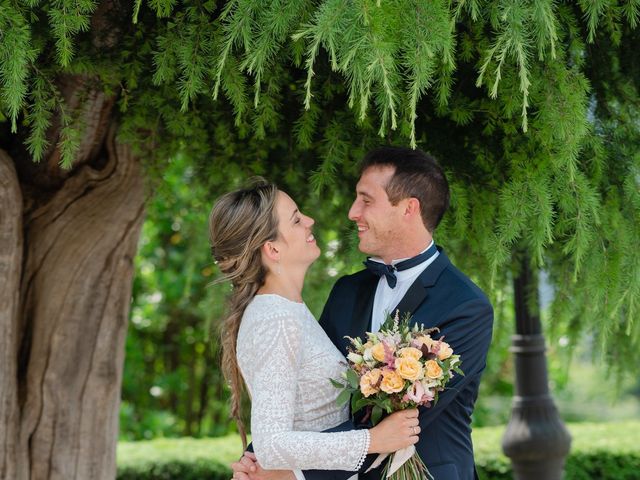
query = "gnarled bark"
{"x": 10, "y": 267}
{"x": 75, "y": 290}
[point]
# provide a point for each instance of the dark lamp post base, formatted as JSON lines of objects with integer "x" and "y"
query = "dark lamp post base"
{"x": 536, "y": 440}
{"x": 550, "y": 470}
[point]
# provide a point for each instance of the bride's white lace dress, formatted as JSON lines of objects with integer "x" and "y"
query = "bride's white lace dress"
{"x": 287, "y": 360}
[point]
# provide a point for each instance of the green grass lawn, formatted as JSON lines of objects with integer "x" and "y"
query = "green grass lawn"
{"x": 620, "y": 437}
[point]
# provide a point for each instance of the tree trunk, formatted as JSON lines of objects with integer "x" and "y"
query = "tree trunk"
{"x": 65, "y": 307}
{"x": 10, "y": 265}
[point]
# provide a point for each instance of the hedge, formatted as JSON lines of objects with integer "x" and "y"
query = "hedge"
{"x": 606, "y": 451}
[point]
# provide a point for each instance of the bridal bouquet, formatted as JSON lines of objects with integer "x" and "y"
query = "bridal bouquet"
{"x": 398, "y": 367}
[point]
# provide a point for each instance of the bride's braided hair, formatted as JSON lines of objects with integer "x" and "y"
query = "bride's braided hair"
{"x": 240, "y": 223}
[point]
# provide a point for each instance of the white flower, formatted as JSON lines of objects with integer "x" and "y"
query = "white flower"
{"x": 355, "y": 358}
{"x": 367, "y": 355}
{"x": 429, "y": 383}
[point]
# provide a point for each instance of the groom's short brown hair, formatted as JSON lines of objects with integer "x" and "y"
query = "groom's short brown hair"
{"x": 418, "y": 175}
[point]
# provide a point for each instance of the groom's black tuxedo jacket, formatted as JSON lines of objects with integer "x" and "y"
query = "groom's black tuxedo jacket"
{"x": 441, "y": 297}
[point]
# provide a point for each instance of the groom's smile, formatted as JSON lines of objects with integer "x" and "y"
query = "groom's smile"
{"x": 376, "y": 218}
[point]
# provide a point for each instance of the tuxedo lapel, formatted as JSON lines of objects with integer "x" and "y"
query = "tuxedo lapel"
{"x": 418, "y": 292}
{"x": 414, "y": 297}
{"x": 361, "y": 317}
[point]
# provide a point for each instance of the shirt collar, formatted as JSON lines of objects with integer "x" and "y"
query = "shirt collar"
{"x": 398, "y": 260}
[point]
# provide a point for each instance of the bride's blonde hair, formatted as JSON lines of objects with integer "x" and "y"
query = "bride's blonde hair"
{"x": 240, "y": 223}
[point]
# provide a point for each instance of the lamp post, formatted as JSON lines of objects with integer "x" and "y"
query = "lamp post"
{"x": 536, "y": 440}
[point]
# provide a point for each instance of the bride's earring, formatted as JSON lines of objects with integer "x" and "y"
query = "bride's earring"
{"x": 278, "y": 269}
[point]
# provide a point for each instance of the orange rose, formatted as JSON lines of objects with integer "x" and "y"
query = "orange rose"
{"x": 410, "y": 352}
{"x": 444, "y": 351}
{"x": 432, "y": 369}
{"x": 426, "y": 340}
{"x": 369, "y": 382}
{"x": 392, "y": 382}
{"x": 377, "y": 351}
{"x": 409, "y": 368}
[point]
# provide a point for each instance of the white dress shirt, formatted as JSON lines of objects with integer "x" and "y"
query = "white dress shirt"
{"x": 386, "y": 297}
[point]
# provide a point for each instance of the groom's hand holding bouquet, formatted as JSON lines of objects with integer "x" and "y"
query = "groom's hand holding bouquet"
{"x": 397, "y": 368}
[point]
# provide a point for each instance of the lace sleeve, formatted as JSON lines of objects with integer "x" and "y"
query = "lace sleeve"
{"x": 271, "y": 368}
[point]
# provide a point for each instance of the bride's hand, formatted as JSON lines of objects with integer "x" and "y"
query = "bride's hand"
{"x": 397, "y": 431}
{"x": 248, "y": 468}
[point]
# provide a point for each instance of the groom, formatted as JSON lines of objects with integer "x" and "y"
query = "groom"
{"x": 401, "y": 197}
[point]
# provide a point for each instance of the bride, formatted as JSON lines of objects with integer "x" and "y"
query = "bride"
{"x": 264, "y": 245}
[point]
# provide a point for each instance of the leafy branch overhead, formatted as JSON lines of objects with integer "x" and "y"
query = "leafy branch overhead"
{"x": 531, "y": 106}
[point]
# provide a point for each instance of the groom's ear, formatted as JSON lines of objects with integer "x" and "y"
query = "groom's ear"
{"x": 412, "y": 207}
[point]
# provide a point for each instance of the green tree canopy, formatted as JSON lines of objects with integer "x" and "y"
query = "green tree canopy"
{"x": 531, "y": 106}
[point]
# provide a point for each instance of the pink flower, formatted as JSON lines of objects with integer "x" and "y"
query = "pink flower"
{"x": 427, "y": 396}
{"x": 416, "y": 392}
{"x": 389, "y": 355}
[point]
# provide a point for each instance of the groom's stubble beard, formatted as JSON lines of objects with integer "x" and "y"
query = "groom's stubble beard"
{"x": 383, "y": 243}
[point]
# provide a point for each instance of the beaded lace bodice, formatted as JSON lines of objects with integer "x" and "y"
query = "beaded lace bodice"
{"x": 286, "y": 360}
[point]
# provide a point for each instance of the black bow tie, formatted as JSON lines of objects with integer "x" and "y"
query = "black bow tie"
{"x": 389, "y": 271}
